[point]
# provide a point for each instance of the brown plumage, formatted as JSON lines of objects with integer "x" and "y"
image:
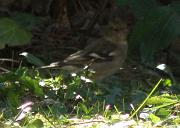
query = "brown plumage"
{"x": 104, "y": 56}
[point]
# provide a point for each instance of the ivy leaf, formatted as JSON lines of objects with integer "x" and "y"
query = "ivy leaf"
{"x": 138, "y": 7}
{"x": 12, "y": 34}
{"x": 26, "y": 20}
{"x": 159, "y": 28}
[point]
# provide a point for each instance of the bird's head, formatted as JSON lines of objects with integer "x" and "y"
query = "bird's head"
{"x": 116, "y": 31}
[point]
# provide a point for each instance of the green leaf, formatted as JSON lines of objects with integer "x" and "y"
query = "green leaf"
{"x": 156, "y": 31}
{"x": 84, "y": 108}
{"x": 122, "y": 2}
{"x": 176, "y": 6}
{"x": 167, "y": 83}
{"x": 20, "y": 72}
{"x": 8, "y": 77}
{"x": 154, "y": 118}
{"x": 141, "y": 7}
{"x": 37, "y": 123}
{"x": 26, "y": 20}
{"x": 163, "y": 112}
{"x": 160, "y": 100}
{"x": 13, "y": 99}
{"x": 32, "y": 59}
{"x": 12, "y": 34}
{"x": 32, "y": 84}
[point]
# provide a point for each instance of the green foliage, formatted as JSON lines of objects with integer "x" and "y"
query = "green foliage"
{"x": 32, "y": 59}
{"x": 37, "y": 123}
{"x": 156, "y": 26}
{"x": 162, "y": 100}
{"x": 15, "y": 31}
{"x": 26, "y": 20}
{"x": 158, "y": 109}
{"x": 12, "y": 34}
{"x": 85, "y": 109}
{"x": 16, "y": 84}
{"x": 158, "y": 29}
{"x": 121, "y": 2}
{"x": 63, "y": 96}
{"x": 176, "y": 6}
{"x": 139, "y": 7}
{"x": 167, "y": 83}
{"x": 154, "y": 118}
{"x": 143, "y": 103}
{"x": 162, "y": 108}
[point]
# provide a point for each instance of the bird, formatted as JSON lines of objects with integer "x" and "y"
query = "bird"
{"x": 104, "y": 56}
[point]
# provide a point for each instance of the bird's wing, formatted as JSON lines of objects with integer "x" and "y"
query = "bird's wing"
{"x": 97, "y": 51}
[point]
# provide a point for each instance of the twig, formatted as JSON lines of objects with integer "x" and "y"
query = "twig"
{"x": 10, "y": 60}
{"x": 3, "y": 69}
{"x": 87, "y": 122}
